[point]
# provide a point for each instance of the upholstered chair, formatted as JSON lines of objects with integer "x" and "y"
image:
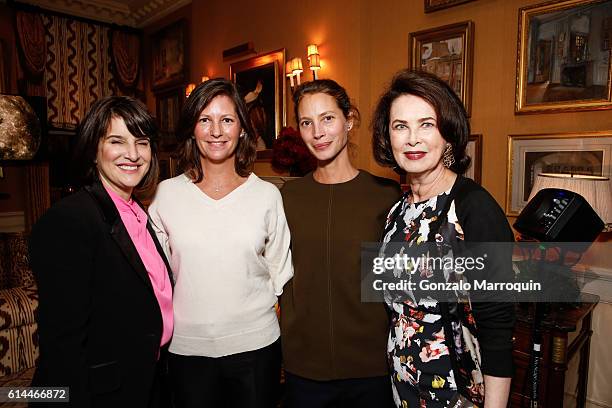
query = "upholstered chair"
{"x": 18, "y": 304}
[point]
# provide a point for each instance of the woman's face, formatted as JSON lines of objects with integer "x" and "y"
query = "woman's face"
{"x": 123, "y": 160}
{"x": 416, "y": 141}
{"x": 217, "y": 130}
{"x": 323, "y": 126}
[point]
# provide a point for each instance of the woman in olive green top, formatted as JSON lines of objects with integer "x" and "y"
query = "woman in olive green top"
{"x": 333, "y": 344}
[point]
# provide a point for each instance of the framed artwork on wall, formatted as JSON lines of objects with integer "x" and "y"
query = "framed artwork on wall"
{"x": 586, "y": 153}
{"x": 448, "y": 53}
{"x": 261, "y": 82}
{"x": 169, "y": 56}
{"x": 564, "y": 61}
{"x": 434, "y": 5}
{"x": 474, "y": 150}
{"x": 168, "y": 109}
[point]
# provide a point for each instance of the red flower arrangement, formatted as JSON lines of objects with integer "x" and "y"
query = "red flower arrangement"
{"x": 289, "y": 153}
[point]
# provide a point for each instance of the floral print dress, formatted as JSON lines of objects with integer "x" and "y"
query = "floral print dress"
{"x": 417, "y": 350}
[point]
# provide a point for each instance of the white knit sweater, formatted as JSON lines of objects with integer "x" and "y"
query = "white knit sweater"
{"x": 230, "y": 259}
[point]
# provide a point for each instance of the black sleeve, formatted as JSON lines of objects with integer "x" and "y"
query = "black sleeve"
{"x": 483, "y": 221}
{"x": 61, "y": 258}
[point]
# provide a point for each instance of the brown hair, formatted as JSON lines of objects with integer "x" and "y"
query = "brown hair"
{"x": 452, "y": 120}
{"x": 188, "y": 152}
{"x": 94, "y": 127}
{"x": 331, "y": 88}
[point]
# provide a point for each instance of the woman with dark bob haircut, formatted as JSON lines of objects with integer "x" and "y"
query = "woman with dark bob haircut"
{"x": 333, "y": 343}
{"x": 227, "y": 239}
{"x": 459, "y": 347}
{"x": 105, "y": 312}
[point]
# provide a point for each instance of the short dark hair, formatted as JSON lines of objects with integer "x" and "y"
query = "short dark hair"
{"x": 198, "y": 100}
{"x": 331, "y": 88}
{"x": 452, "y": 118}
{"x": 94, "y": 127}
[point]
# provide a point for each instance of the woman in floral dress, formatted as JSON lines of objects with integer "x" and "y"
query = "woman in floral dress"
{"x": 452, "y": 352}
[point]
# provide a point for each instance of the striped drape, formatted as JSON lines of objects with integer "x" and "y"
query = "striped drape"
{"x": 77, "y": 68}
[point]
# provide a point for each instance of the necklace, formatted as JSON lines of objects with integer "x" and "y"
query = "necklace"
{"x": 216, "y": 186}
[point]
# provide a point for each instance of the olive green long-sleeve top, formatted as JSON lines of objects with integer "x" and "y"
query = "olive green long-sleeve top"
{"x": 327, "y": 332}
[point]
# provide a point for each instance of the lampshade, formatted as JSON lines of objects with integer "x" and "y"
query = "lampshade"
{"x": 597, "y": 191}
{"x": 314, "y": 62}
{"x": 20, "y": 133}
{"x": 296, "y": 65}
{"x": 288, "y": 69}
{"x": 312, "y": 50}
{"x": 189, "y": 89}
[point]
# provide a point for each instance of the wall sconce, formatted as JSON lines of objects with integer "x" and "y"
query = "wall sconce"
{"x": 189, "y": 89}
{"x": 296, "y": 69}
{"x": 289, "y": 74}
{"x": 293, "y": 69}
{"x": 204, "y": 78}
{"x": 313, "y": 60}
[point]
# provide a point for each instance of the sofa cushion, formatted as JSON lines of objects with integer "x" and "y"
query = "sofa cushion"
{"x": 18, "y": 306}
{"x": 18, "y": 349}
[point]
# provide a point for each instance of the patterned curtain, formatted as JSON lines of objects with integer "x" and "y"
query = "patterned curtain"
{"x": 77, "y": 68}
{"x": 126, "y": 57}
{"x": 31, "y": 34}
{"x": 33, "y": 46}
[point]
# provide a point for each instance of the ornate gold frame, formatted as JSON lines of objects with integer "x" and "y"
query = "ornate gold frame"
{"x": 465, "y": 30}
{"x": 546, "y": 137}
{"x": 476, "y": 164}
{"x": 446, "y": 4}
{"x": 521, "y": 106}
{"x": 280, "y": 96}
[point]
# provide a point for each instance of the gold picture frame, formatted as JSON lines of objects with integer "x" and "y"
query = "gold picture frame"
{"x": 435, "y": 5}
{"x": 532, "y": 154}
{"x": 474, "y": 150}
{"x": 261, "y": 81}
{"x": 170, "y": 56}
{"x": 564, "y": 62}
{"x": 447, "y": 52}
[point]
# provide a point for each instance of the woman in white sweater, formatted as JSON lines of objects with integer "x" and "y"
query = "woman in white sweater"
{"x": 225, "y": 233}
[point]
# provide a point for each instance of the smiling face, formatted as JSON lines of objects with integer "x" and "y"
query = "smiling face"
{"x": 217, "y": 130}
{"x": 416, "y": 141}
{"x": 323, "y": 126}
{"x": 122, "y": 159}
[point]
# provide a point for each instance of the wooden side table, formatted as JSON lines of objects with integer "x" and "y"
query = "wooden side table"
{"x": 557, "y": 351}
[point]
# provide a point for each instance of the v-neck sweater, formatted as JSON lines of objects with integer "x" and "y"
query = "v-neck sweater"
{"x": 230, "y": 258}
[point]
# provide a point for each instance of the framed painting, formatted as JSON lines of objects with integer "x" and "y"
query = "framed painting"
{"x": 586, "y": 153}
{"x": 474, "y": 150}
{"x": 564, "y": 59}
{"x": 168, "y": 110}
{"x": 261, "y": 82}
{"x": 434, "y": 5}
{"x": 170, "y": 50}
{"x": 446, "y": 52}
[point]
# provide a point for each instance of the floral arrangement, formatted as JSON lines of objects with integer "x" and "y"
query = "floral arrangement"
{"x": 289, "y": 153}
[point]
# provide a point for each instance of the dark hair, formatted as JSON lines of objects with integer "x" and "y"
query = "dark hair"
{"x": 452, "y": 119}
{"x": 331, "y": 88}
{"x": 198, "y": 100}
{"x": 94, "y": 127}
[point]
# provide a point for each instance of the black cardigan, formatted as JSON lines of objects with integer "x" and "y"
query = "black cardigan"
{"x": 483, "y": 220}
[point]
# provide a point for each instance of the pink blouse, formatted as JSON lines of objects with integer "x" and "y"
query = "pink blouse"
{"x": 135, "y": 220}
